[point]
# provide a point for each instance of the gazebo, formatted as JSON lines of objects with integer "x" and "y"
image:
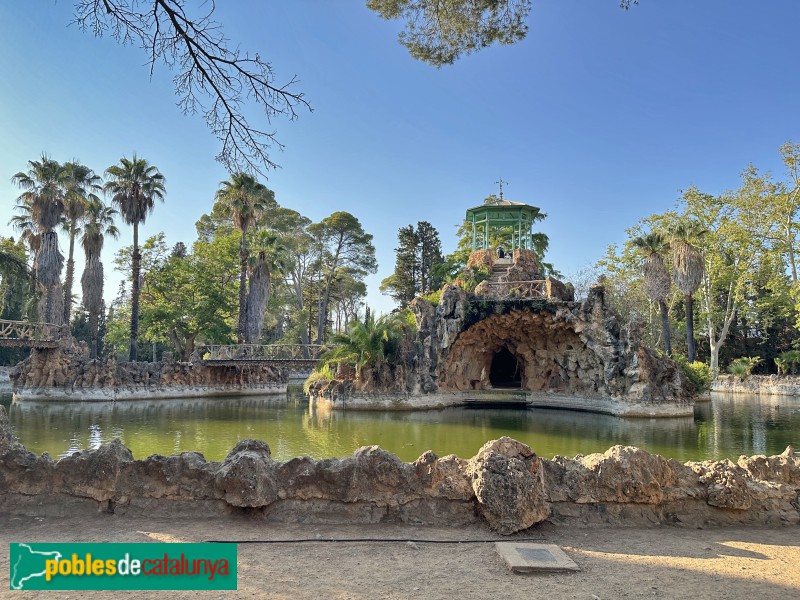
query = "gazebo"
{"x": 512, "y": 221}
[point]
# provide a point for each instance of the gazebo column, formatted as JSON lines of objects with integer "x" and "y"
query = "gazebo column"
{"x": 474, "y": 246}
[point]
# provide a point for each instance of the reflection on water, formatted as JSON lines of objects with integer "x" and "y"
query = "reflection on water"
{"x": 727, "y": 426}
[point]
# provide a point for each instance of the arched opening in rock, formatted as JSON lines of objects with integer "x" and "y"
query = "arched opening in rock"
{"x": 551, "y": 356}
{"x": 506, "y": 371}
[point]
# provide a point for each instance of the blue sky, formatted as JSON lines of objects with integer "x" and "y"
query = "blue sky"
{"x": 600, "y": 116}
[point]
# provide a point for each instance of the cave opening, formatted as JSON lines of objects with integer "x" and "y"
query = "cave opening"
{"x": 506, "y": 370}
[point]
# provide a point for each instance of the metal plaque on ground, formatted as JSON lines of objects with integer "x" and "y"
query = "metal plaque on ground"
{"x": 531, "y": 558}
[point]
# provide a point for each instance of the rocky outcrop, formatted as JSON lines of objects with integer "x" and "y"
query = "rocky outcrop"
{"x": 67, "y": 373}
{"x": 564, "y": 355}
{"x": 767, "y": 385}
{"x": 568, "y": 348}
{"x": 505, "y": 484}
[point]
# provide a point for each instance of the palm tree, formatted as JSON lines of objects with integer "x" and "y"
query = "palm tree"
{"x": 80, "y": 184}
{"x": 134, "y": 185}
{"x": 43, "y": 201}
{"x": 656, "y": 277}
{"x": 244, "y": 198}
{"x": 687, "y": 260}
{"x": 269, "y": 258}
{"x": 99, "y": 222}
{"x": 30, "y": 236}
{"x": 367, "y": 345}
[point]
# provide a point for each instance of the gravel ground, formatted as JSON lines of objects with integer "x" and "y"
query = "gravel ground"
{"x": 671, "y": 563}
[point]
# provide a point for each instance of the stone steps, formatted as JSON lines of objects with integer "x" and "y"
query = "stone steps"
{"x": 499, "y": 271}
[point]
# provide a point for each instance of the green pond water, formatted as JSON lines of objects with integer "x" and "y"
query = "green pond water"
{"x": 727, "y": 426}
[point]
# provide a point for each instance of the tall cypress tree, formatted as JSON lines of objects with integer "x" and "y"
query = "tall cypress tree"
{"x": 418, "y": 252}
{"x": 429, "y": 249}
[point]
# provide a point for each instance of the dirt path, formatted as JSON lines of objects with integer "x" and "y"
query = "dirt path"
{"x": 664, "y": 563}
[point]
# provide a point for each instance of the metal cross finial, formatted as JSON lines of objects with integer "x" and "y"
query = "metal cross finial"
{"x": 501, "y": 182}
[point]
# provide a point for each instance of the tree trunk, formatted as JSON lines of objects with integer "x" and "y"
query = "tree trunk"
{"x": 137, "y": 267}
{"x": 188, "y": 349}
{"x": 94, "y": 326}
{"x": 297, "y": 284}
{"x": 689, "y": 327}
{"x": 323, "y": 303}
{"x": 176, "y": 341}
{"x": 665, "y": 327}
{"x": 240, "y": 337}
{"x": 790, "y": 248}
{"x": 70, "y": 273}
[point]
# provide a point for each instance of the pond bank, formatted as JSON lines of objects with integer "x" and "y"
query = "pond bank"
{"x": 340, "y": 396}
{"x": 66, "y": 373}
{"x": 505, "y": 486}
{"x": 772, "y": 385}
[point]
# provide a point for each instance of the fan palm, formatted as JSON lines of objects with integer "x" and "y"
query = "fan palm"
{"x": 367, "y": 344}
{"x": 80, "y": 185}
{"x": 99, "y": 222}
{"x": 687, "y": 260}
{"x": 656, "y": 277}
{"x": 134, "y": 185}
{"x": 43, "y": 201}
{"x": 244, "y": 198}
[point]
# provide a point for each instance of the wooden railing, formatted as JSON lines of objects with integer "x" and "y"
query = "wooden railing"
{"x": 272, "y": 352}
{"x": 23, "y": 333}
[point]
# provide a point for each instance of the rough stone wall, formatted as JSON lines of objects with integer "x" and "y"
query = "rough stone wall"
{"x": 68, "y": 369}
{"x": 505, "y": 485}
{"x": 481, "y": 258}
{"x": 571, "y": 347}
{"x": 524, "y": 266}
{"x": 784, "y": 385}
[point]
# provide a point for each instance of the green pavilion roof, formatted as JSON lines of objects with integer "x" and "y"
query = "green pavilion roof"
{"x": 501, "y": 204}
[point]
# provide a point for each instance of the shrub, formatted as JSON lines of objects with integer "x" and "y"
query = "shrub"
{"x": 743, "y": 367}
{"x": 698, "y": 373}
{"x": 324, "y": 373}
{"x": 433, "y": 297}
{"x": 787, "y": 362}
{"x": 470, "y": 277}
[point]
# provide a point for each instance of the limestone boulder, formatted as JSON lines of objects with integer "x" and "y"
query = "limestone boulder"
{"x": 184, "y": 476}
{"x": 481, "y": 258}
{"x": 444, "y": 477}
{"x": 630, "y": 474}
{"x": 784, "y": 468}
{"x": 370, "y": 475}
{"x": 246, "y": 478}
{"x": 7, "y": 438}
{"x": 726, "y": 484}
{"x": 508, "y": 482}
{"x": 21, "y": 471}
{"x": 92, "y": 473}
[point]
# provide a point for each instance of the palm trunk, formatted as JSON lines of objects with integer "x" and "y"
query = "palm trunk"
{"x": 137, "y": 267}
{"x": 70, "y": 273}
{"x": 240, "y": 334}
{"x": 665, "y": 327}
{"x": 689, "y": 327}
{"x": 94, "y": 326}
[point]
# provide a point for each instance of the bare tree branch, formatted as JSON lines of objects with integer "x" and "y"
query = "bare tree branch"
{"x": 210, "y": 76}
